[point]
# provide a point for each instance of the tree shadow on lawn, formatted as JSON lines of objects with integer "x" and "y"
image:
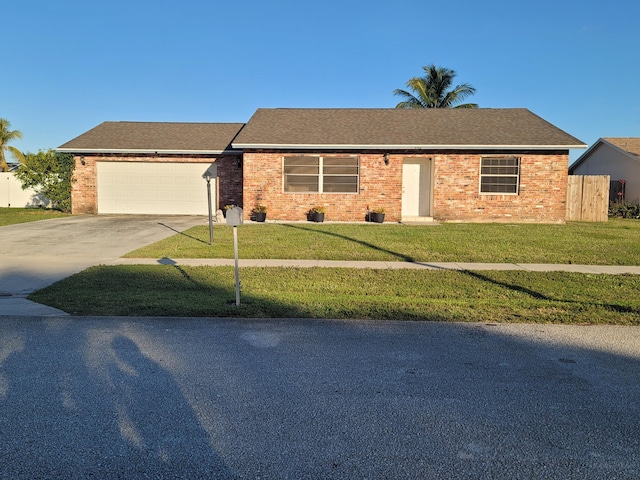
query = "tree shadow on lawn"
{"x": 174, "y": 291}
{"x": 183, "y": 234}
{"x": 541, "y": 296}
{"x": 401, "y": 256}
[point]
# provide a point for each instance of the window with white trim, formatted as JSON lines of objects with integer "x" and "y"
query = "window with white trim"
{"x": 499, "y": 175}
{"x": 319, "y": 174}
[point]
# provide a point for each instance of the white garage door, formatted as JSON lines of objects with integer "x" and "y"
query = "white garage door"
{"x": 154, "y": 188}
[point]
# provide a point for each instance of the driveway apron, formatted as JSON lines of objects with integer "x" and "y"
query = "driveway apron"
{"x": 37, "y": 254}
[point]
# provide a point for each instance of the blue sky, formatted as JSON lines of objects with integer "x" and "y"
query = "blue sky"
{"x": 72, "y": 64}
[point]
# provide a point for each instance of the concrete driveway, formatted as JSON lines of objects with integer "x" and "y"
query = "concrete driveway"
{"x": 37, "y": 254}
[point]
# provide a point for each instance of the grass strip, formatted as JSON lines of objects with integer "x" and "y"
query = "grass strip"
{"x": 493, "y": 296}
{"x": 611, "y": 243}
{"x": 12, "y": 216}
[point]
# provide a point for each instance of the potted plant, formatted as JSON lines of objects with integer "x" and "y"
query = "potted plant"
{"x": 316, "y": 214}
{"x": 259, "y": 213}
{"x": 377, "y": 215}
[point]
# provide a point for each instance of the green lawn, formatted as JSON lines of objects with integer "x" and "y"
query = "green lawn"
{"x": 616, "y": 242}
{"x": 11, "y": 216}
{"x": 493, "y": 296}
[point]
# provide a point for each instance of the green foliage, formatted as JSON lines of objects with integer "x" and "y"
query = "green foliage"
{"x": 435, "y": 90}
{"x": 624, "y": 210}
{"x": 7, "y": 136}
{"x": 49, "y": 173}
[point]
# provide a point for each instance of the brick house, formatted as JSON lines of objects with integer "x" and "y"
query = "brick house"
{"x": 472, "y": 165}
{"x": 154, "y": 168}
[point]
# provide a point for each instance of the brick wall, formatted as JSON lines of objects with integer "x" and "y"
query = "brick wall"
{"x": 541, "y": 198}
{"x": 456, "y": 197}
{"x": 84, "y": 193}
{"x": 380, "y": 186}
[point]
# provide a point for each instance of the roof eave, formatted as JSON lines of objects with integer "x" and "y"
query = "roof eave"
{"x": 147, "y": 151}
{"x": 268, "y": 146}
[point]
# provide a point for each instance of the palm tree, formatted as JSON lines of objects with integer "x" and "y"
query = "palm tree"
{"x": 434, "y": 90}
{"x": 7, "y": 136}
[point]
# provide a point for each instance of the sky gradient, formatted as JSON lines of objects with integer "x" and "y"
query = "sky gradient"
{"x": 72, "y": 64}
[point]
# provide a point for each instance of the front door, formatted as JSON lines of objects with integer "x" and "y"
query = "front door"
{"x": 416, "y": 187}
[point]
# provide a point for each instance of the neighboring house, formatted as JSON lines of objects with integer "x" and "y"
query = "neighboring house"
{"x": 13, "y": 195}
{"x": 154, "y": 168}
{"x": 470, "y": 165}
{"x": 617, "y": 157}
{"x": 478, "y": 165}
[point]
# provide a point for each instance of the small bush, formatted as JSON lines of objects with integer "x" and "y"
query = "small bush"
{"x": 624, "y": 210}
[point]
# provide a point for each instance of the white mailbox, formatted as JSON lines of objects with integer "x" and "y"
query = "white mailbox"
{"x": 234, "y": 216}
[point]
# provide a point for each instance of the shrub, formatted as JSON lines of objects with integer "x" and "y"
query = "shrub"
{"x": 624, "y": 210}
{"x": 49, "y": 173}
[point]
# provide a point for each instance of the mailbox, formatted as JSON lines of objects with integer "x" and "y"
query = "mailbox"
{"x": 234, "y": 216}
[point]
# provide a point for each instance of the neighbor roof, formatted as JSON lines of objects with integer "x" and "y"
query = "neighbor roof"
{"x": 151, "y": 137}
{"x": 629, "y": 146}
{"x": 401, "y": 128}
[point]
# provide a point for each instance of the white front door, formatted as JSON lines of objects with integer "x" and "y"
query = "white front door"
{"x": 416, "y": 187}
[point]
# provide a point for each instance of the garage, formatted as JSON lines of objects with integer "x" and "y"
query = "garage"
{"x": 148, "y": 188}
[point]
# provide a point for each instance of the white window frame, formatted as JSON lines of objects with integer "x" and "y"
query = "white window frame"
{"x": 321, "y": 174}
{"x": 510, "y": 175}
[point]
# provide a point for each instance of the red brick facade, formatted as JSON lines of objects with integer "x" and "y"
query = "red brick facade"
{"x": 258, "y": 179}
{"x": 541, "y": 198}
{"x": 84, "y": 192}
{"x": 380, "y": 186}
{"x": 456, "y": 189}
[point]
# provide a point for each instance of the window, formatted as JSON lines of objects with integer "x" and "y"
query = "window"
{"x": 310, "y": 174}
{"x": 499, "y": 175}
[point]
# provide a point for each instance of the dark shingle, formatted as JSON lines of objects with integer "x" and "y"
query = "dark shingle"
{"x": 156, "y": 136}
{"x": 448, "y": 128}
{"x": 628, "y": 144}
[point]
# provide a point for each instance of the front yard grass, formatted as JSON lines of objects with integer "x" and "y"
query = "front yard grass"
{"x": 12, "y": 216}
{"x": 615, "y": 242}
{"x": 488, "y": 296}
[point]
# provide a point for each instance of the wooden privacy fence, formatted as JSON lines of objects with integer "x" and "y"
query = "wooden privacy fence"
{"x": 588, "y": 198}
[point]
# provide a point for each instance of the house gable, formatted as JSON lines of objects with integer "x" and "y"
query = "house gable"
{"x": 154, "y": 147}
{"x": 362, "y": 158}
{"x": 617, "y": 157}
{"x": 405, "y": 129}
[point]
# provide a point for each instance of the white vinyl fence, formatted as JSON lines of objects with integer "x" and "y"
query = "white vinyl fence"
{"x": 12, "y": 194}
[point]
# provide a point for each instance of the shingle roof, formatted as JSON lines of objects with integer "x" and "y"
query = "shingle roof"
{"x": 155, "y": 137}
{"x": 628, "y": 144}
{"x": 401, "y": 128}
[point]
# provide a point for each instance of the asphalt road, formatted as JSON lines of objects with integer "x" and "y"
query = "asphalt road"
{"x": 301, "y": 399}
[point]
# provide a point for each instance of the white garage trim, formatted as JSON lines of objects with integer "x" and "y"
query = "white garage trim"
{"x": 160, "y": 188}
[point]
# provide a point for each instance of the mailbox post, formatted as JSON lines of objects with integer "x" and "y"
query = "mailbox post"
{"x": 211, "y": 172}
{"x": 207, "y": 177}
{"x": 234, "y": 219}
